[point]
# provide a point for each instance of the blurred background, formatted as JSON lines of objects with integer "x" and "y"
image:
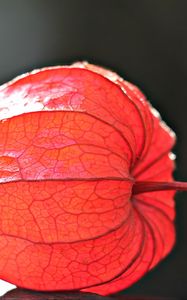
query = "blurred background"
{"x": 145, "y": 41}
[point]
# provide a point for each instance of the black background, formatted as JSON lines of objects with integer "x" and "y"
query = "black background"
{"x": 145, "y": 42}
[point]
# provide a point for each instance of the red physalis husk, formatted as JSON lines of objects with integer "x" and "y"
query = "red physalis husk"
{"x": 78, "y": 146}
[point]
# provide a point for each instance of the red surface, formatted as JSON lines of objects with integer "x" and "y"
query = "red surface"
{"x": 73, "y": 140}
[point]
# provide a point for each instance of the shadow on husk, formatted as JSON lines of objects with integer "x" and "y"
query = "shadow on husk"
{"x": 22, "y": 294}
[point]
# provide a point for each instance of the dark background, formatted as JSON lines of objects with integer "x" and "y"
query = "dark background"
{"x": 144, "y": 41}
